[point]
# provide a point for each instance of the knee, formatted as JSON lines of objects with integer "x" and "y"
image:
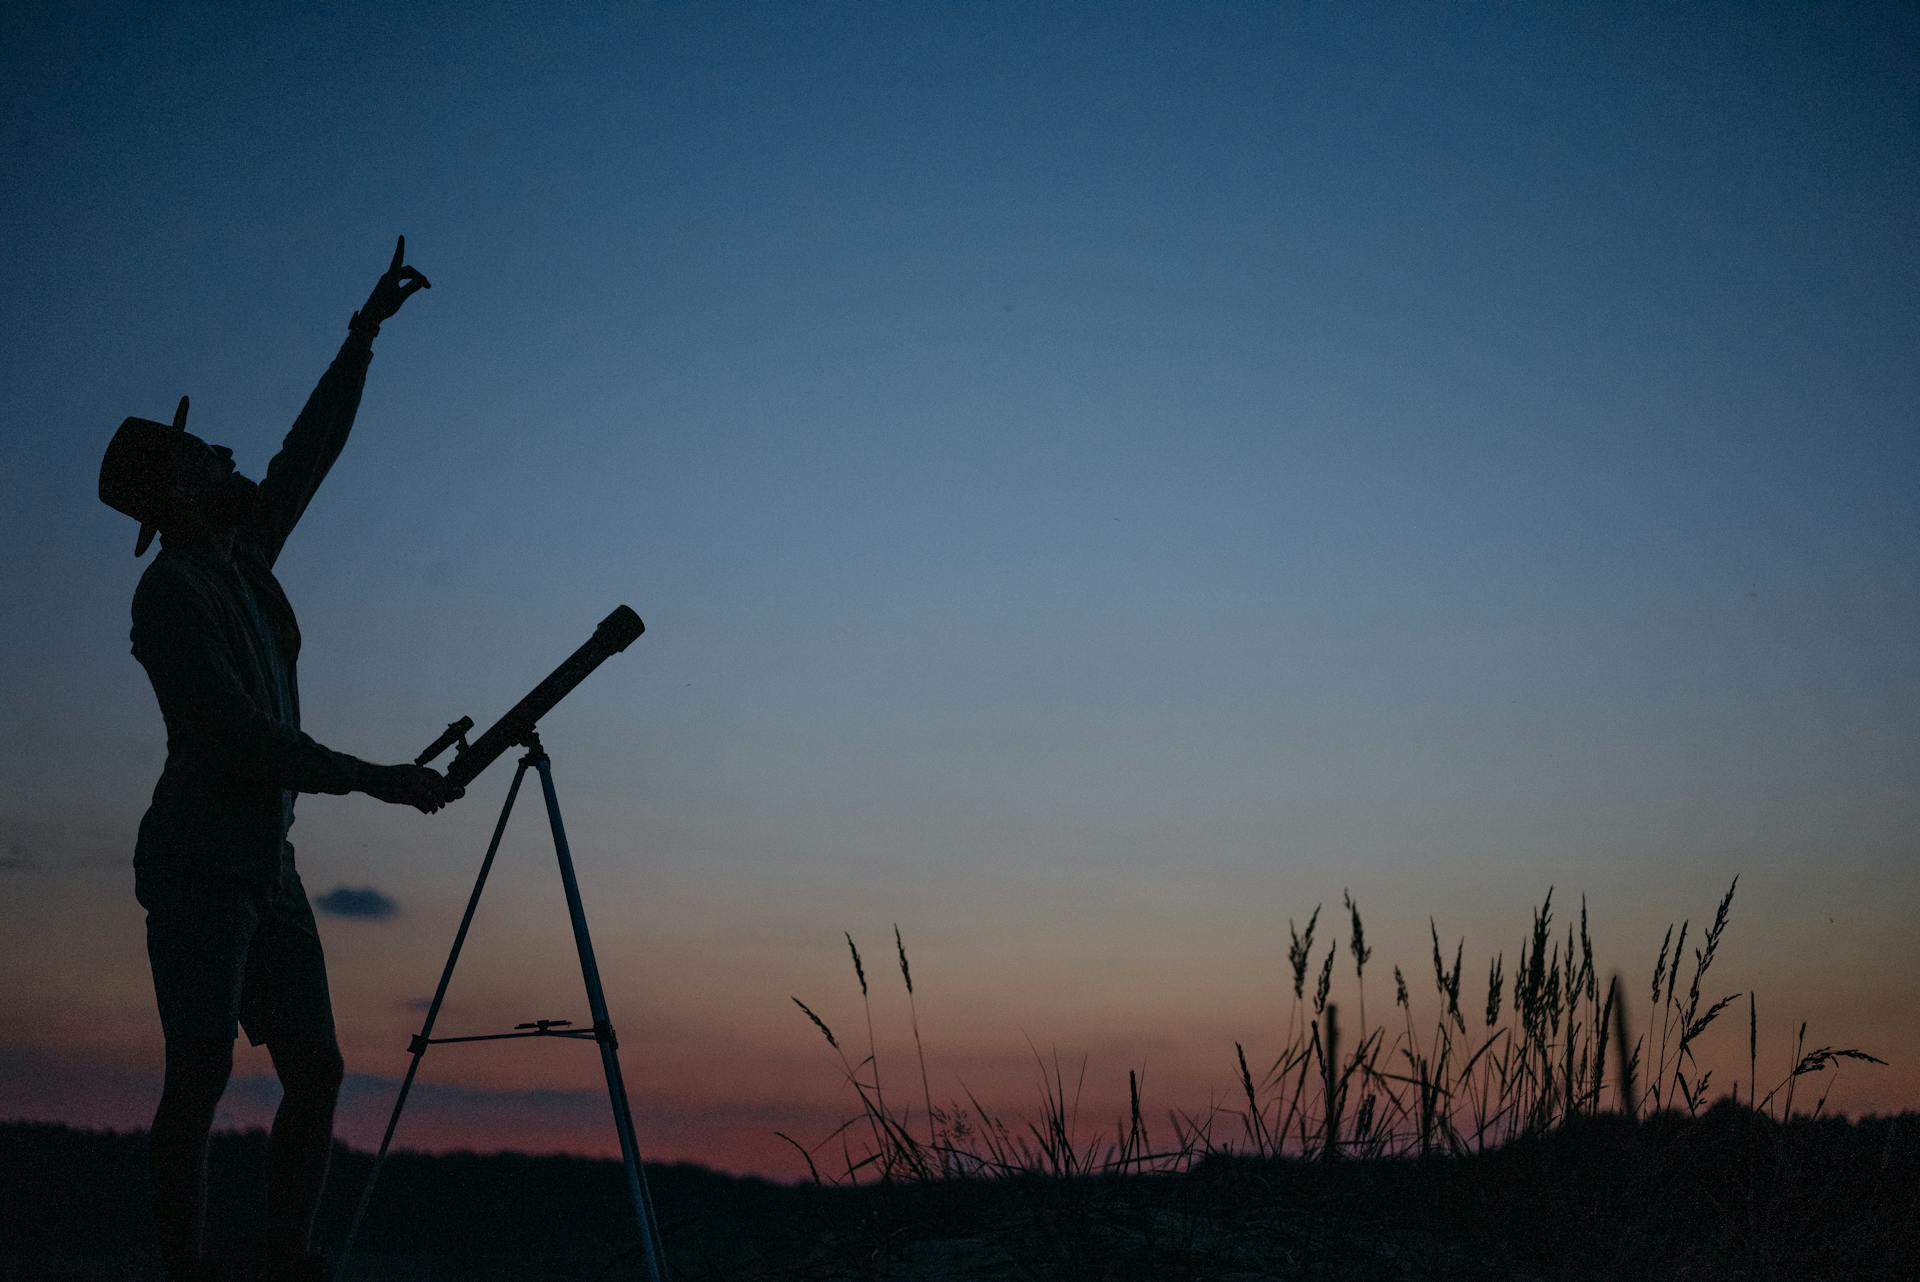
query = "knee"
{"x": 310, "y": 1074}
{"x": 197, "y": 1073}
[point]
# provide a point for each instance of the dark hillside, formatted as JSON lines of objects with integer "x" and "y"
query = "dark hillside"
{"x": 76, "y": 1208}
{"x": 1727, "y": 1195}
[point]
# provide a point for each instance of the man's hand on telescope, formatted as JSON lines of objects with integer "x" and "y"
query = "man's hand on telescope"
{"x": 422, "y": 787}
{"x": 395, "y": 286}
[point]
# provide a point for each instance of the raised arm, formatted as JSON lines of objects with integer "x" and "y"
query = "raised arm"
{"x": 320, "y": 432}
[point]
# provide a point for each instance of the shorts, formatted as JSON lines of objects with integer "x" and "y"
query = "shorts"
{"x": 229, "y": 954}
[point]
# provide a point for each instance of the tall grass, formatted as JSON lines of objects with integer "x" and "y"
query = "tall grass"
{"x": 1412, "y": 1085}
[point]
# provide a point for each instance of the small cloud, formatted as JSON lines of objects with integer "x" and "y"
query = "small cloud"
{"x": 356, "y": 901}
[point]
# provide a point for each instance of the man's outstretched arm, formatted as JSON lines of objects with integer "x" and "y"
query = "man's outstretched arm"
{"x": 176, "y": 638}
{"x": 320, "y": 432}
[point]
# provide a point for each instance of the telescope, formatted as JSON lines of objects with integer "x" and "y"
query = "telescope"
{"x": 517, "y": 729}
{"x": 616, "y": 632}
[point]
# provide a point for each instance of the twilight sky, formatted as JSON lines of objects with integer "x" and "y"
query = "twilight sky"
{"x": 1100, "y": 479}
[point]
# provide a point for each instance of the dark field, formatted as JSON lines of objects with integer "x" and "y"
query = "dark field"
{"x": 1728, "y": 1194}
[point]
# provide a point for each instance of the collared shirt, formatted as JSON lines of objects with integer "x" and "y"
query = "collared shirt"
{"x": 220, "y": 644}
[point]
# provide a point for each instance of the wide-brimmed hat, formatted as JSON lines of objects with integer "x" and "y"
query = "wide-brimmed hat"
{"x": 135, "y": 469}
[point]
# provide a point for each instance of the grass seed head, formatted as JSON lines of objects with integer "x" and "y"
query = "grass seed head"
{"x": 1299, "y": 950}
{"x": 906, "y": 972}
{"x": 1453, "y": 983}
{"x": 818, "y": 1023}
{"x": 1673, "y": 967}
{"x": 859, "y": 971}
{"x": 1660, "y": 964}
{"x": 1361, "y": 953}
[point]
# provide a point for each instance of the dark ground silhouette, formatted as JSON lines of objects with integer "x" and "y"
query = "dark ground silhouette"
{"x": 1727, "y": 1195}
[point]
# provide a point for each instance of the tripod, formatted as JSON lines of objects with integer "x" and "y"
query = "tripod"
{"x": 652, "y": 1258}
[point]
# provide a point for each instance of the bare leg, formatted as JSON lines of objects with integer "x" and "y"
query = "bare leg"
{"x": 197, "y": 1074}
{"x": 302, "y": 1143}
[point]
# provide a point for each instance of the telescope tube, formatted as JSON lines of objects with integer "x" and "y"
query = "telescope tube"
{"x": 616, "y": 632}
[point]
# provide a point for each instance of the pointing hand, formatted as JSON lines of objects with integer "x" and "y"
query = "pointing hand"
{"x": 395, "y": 286}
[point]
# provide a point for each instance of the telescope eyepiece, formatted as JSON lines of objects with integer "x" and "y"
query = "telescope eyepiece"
{"x": 456, "y": 732}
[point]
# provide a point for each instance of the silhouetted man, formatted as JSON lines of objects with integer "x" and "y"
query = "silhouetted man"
{"x": 230, "y": 935}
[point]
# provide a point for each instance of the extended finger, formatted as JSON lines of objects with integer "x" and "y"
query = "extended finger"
{"x": 399, "y": 255}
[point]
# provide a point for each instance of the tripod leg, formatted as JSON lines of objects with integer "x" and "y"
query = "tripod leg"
{"x": 418, "y": 1046}
{"x": 652, "y": 1255}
